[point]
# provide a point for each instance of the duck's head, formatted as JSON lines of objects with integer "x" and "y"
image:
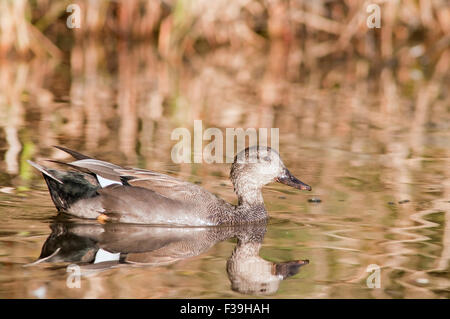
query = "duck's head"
{"x": 257, "y": 166}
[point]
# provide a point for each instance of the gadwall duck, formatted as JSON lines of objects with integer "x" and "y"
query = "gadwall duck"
{"x": 107, "y": 192}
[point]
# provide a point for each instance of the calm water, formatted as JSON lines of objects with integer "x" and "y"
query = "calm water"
{"x": 381, "y": 173}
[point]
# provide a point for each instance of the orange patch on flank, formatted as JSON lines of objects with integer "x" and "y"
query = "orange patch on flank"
{"x": 102, "y": 218}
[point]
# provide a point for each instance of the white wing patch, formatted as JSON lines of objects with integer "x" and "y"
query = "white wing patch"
{"x": 106, "y": 182}
{"x": 103, "y": 255}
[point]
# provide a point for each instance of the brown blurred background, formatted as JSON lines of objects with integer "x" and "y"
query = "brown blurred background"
{"x": 136, "y": 63}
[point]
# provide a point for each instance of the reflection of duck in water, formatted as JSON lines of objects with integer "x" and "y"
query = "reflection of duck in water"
{"x": 97, "y": 247}
{"x": 104, "y": 246}
{"x": 251, "y": 274}
{"x": 105, "y": 191}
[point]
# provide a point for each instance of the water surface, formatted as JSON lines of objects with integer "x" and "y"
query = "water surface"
{"x": 379, "y": 169}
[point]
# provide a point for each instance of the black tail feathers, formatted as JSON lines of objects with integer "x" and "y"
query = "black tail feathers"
{"x": 66, "y": 187}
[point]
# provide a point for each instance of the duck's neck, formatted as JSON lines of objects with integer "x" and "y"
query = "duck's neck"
{"x": 250, "y": 202}
{"x": 250, "y": 206}
{"x": 249, "y": 193}
{"x": 251, "y": 199}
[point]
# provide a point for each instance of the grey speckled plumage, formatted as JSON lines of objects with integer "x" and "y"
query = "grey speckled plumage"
{"x": 91, "y": 188}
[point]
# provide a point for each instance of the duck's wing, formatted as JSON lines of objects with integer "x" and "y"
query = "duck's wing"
{"x": 74, "y": 154}
{"x": 166, "y": 185}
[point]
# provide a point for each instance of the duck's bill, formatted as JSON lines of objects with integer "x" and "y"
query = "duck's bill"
{"x": 288, "y": 179}
{"x": 289, "y": 268}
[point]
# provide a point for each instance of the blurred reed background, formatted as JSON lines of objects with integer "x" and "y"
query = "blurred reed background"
{"x": 231, "y": 64}
{"x": 363, "y": 113}
{"x": 250, "y": 54}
